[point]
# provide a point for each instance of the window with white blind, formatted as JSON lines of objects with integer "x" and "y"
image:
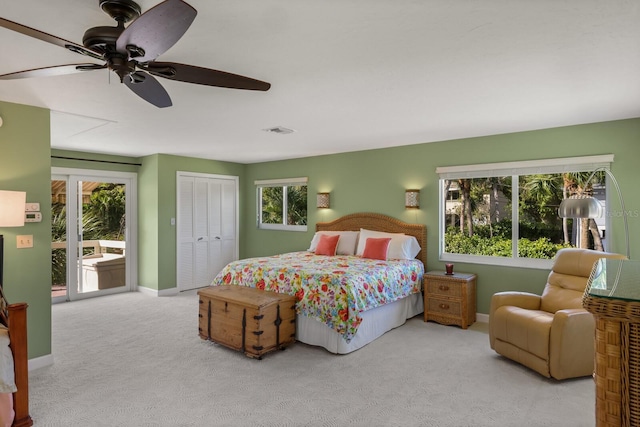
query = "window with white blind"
{"x": 507, "y": 213}
{"x": 282, "y": 204}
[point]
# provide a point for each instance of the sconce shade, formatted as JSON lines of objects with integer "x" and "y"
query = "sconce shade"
{"x": 323, "y": 200}
{"x": 412, "y": 199}
{"x": 580, "y": 207}
{"x": 12, "y": 205}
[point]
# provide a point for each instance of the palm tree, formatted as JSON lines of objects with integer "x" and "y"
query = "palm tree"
{"x": 297, "y": 205}
{"x": 466, "y": 216}
{"x": 272, "y": 200}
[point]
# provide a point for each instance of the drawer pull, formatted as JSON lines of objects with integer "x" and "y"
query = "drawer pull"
{"x": 444, "y": 288}
{"x": 444, "y": 306}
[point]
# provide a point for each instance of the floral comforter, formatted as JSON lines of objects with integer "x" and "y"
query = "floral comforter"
{"x": 331, "y": 289}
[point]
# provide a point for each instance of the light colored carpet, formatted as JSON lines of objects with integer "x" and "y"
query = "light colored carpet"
{"x": 136, "y": 360}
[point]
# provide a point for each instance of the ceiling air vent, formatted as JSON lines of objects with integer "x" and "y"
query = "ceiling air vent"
{"x": 279, "y": 129}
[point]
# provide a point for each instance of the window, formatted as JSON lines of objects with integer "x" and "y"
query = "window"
{"x": 479, "y": 205}
{"x": 282, "y": 204}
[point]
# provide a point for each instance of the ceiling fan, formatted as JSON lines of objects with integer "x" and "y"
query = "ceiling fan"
{"x": 131, "y": 51}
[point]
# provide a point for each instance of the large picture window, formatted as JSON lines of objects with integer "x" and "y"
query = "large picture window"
{"x": 507, "y": 213}
{"x": 282, "y": 204}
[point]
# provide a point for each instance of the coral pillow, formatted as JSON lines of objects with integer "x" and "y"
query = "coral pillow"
{"x": 346, "y": 245}
{"x": 327, "y": 245}
{"x": 400, "y": 247}
{"x": 376, "y": 248}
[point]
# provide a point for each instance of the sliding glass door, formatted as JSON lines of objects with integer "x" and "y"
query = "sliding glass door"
{"x": 92, "y": 215}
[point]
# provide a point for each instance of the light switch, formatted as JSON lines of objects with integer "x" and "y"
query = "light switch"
{"x": 25, "y": 241}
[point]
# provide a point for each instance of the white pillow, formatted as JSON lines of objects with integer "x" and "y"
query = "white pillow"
{"x": 401, "y": 246}
{"x": 406, "y": 247}
{"x": 346, "y": 244}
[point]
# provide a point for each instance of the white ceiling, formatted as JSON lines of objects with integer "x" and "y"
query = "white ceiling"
{"x": 346, "y": 75}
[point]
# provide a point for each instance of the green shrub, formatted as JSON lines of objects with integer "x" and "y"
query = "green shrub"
{"x": 499, "y": 246}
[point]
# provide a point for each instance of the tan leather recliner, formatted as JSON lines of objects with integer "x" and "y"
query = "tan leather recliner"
{"x": 550, "y": 333}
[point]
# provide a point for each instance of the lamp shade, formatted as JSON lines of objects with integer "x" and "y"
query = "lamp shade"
{"x": 412, "y": 199}
{"x": 580, "y": 207}
{"x": 12, "y": 204}
{"x": 322, "y": 200}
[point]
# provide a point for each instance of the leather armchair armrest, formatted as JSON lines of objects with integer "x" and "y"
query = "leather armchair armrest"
{"x": 572, "y": 344}
{"x": 525, "y": 300}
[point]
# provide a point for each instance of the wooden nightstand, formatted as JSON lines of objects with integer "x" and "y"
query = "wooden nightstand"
{"x": 450, "y": 300}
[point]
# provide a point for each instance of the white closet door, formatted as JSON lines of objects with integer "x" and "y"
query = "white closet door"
{"x": 208, "y": 240}
{"x": 222, "y": 247}
{"x": 202, "y": 271}
{"x": 186, "y": 233}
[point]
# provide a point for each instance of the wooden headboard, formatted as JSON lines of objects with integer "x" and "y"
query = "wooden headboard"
{"x": 379, "y": 222}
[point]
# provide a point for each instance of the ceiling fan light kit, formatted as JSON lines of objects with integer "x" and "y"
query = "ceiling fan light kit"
{"x": 130, "y": 51}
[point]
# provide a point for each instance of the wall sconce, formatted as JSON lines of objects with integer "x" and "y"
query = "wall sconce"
{"x": 12, "y": 205}
{"x": 322, "y": 200}
{"x": 412, "y": 199}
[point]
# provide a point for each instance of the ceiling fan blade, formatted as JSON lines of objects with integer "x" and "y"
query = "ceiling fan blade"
{"x": 156, "y": 30}
{"x": 148, "y": 88}
{"x": 40, "y": 35}
{"x": 56, "y": 70}
{"x": 204, "y": 76}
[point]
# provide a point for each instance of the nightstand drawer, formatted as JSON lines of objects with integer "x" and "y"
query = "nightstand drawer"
{"x": 444, "y": 287}
{"x": 444, "y": 306}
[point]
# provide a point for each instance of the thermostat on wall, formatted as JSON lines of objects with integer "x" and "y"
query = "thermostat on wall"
{"x": 32, "y": 217}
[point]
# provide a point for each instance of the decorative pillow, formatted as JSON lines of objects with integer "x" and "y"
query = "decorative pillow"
{"x": 400, "y": 247}
{"x": 327, "y": 245}
{"x": 376, "y": 248}
{"x": 346, "y": 245}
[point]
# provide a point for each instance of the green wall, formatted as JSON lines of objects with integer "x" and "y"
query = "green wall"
{"x": 25, "y": 165}
{"x": 375, "y": 180}
{"x": 156, "y": 203}
{"x": 157, "y": 192}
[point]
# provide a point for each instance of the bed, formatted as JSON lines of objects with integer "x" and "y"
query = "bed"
{"x": 345, "y": 301}
{"x": 14, "y": 316}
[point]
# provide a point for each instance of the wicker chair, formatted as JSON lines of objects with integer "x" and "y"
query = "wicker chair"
{"x": 550, "y": 333}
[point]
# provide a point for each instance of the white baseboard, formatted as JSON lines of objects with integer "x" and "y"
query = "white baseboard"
{"x": 156, "y": 293}
{"x": 40, "y": 362}
{"x": 481, "y": 317}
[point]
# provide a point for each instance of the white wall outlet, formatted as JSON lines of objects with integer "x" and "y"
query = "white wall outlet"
{"x": 32, "y": 207}
{"x": 25, "y": 241}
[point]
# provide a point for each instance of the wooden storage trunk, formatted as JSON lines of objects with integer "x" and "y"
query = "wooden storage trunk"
{"x": 246, "y": 319}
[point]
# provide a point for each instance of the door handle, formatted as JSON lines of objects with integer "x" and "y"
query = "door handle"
{"x": 217, "y": 237}
{"x": 200, "y": 238}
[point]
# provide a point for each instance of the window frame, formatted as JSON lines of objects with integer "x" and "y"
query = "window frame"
{"x": 514, "y": 170}
{"x": 284, "y": 183}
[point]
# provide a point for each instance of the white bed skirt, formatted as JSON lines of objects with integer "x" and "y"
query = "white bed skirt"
{"x": 374, "y": 324}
